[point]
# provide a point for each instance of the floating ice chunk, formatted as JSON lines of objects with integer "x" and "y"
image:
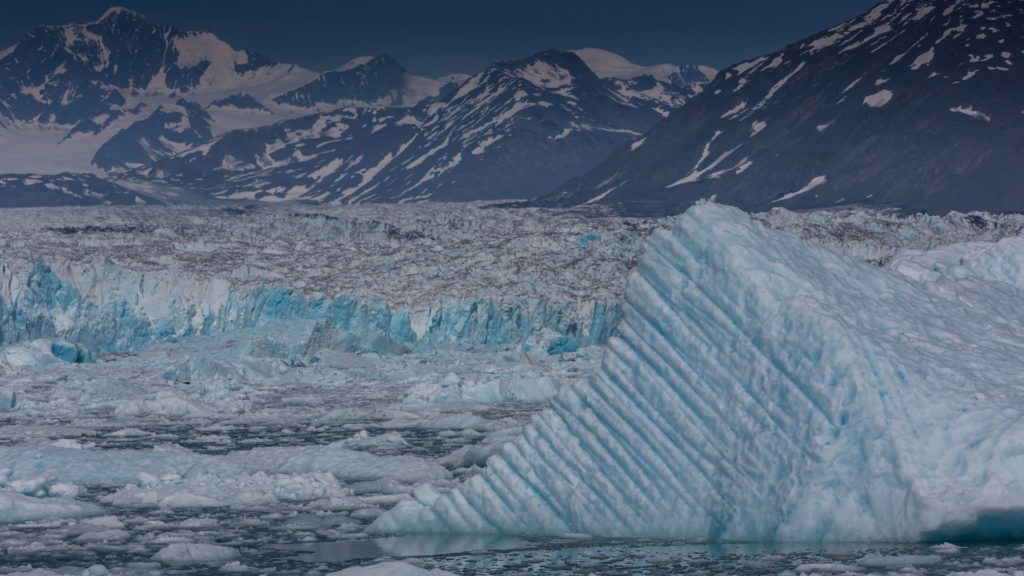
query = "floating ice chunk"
{"x": 111, "y": 535}
{"x": 103, "y": 522}
{"x": 346, "y": 465}
{"x": 896, "y": 562}
{"x": 1001, "y": 261}
{"x": 441, "y": 422}
{"x": 8, "y": 399}
{"x": 826, "y": 568}
{"x": 764, "y": 388}
{"x": 166, "y": 403}
{"x": 40, "y": 352}
{"x": 390, "y": 569}
{"x": 946, "y": 548}
{"x": 477, "y": 454}
{"x": 185, "y": 553}
{"x": 15, "y": 507}
{"x": 453, "y": 389}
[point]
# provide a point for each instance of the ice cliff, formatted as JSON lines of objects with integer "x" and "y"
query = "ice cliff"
{"x": 368, "y": 278}
{"x": 763, "y": 388}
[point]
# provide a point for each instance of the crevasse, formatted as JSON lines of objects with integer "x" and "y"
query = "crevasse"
{"x": 762, "y": 388}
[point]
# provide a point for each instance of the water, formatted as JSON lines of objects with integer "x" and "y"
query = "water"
{"x": 297, "y": 538}
{"x": 83, "y": 406}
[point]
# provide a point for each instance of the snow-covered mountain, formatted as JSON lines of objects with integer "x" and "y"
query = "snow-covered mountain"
{"x": 514, "y": 130}
{"x": 915, "y": 105}
{"x": 367, "y": 81}
{"x": 124, "y": 97}
{"x": 69, "y": 94}
{"x": 664, "y": 86}
{"x": 20, "y": 190}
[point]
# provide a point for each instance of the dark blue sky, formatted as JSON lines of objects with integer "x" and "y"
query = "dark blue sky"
{"x": 434, "y": 37}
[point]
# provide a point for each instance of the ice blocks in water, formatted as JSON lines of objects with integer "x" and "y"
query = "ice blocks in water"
{"x": 764, "y": 388}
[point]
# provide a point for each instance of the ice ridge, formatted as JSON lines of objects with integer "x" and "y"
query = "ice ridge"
{"x": 762, "y": 388}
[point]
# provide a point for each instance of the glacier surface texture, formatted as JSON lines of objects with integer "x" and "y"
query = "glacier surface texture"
{"x": 763, "y": 388}
{"x": 369, "y": 279}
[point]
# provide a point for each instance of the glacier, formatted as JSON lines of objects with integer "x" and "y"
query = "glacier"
{"x": 373, "y": 279}
{"x": 763, "y": 388}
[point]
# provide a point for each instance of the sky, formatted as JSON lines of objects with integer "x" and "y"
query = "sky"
{"x": 437, "y": 37}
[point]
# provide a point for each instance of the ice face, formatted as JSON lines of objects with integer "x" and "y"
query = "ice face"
{"x": 763, "y": 388}
{"x": 374, "y": 279}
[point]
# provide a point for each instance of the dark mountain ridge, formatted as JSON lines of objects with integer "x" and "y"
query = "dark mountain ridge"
{"x": 917, "y": 105}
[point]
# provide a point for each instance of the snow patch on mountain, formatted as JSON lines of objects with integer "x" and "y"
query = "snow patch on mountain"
{"x": 923, "y": 60}
{"x": 355, "y": 63}
{"x": 814, "y": 183}
{"x": 971, "y": 112}
{"x": 878, "y": 99}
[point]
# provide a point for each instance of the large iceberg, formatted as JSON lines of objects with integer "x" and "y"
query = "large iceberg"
{"x": 763, "y": 388}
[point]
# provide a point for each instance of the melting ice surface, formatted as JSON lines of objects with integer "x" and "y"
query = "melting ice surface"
{"x": 173, "y": 400}
{"x": 763, "y": 389}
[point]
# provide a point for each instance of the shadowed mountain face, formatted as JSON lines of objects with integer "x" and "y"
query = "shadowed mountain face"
{"x": 515, "y": 130}
{"x": 124, "y": 98}
{"x": 917, "y": 105}
{"x": 66, "y": 74}
{"x": 24, "y": 190}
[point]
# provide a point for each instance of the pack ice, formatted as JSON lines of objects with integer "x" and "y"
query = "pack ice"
{"x": 763, "y": 388}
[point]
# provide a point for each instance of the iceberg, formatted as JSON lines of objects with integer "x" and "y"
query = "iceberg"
{"x": 186, "y": 553}
{"x": 16, "y": 507}
{"x": 764, "y": 388}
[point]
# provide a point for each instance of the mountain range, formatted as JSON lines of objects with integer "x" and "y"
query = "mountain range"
{"x": 917, "y": 105}
{"x": 914, "y": 106}
{"x": 144, "y": 106}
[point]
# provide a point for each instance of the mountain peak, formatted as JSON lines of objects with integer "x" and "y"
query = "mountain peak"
{"x": 611, "y": 65}
{"x": 355, "y": 63}
{"x": 557, "y": 59}
{"x": 908, "y": 106}
{"x": 116, "y": 12}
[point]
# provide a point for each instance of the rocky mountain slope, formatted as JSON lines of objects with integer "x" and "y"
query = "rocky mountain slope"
{"x": 915, "y": 105}
{"x": 515, "y": 130}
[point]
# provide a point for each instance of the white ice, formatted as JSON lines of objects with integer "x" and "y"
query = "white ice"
{"x": 185, "y": 553}
{"x": 264, "y": 429}
{"x": 16, "y": 507}
{"x": 389, "y": 569}
{"x": 763, "y": 388}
